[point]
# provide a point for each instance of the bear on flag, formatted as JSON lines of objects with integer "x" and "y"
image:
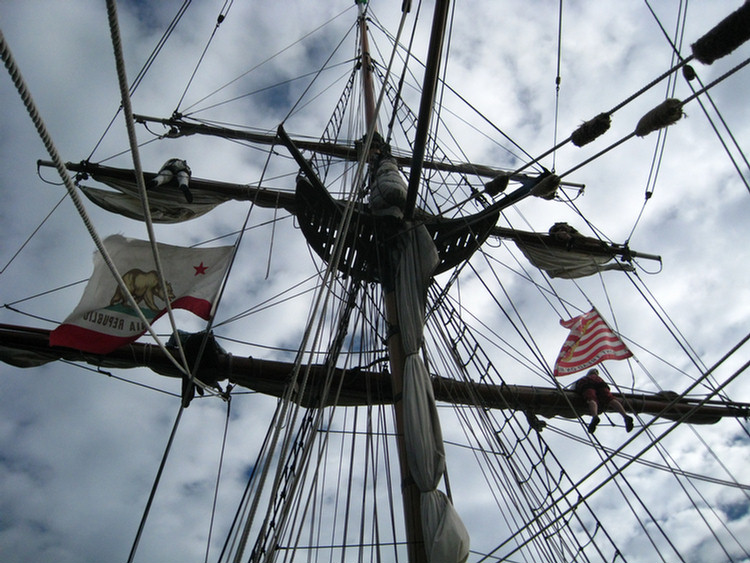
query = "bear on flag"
{"x": 590, "y": 342}
{"x": 104, "y": 320}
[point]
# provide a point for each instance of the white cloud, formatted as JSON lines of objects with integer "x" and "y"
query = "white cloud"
{"x": 80, "y": 449}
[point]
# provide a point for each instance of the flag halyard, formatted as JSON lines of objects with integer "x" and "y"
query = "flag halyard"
{"x": 589, "y": 342}
{"x": 104, "y": 319}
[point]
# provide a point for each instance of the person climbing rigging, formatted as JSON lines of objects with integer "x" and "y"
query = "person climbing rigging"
{"x": 597, "y": 395}
{"x": 174, "y": 168}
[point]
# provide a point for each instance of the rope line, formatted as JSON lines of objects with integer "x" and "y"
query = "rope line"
{"x": 218, "y": 473}
{"x": 223, "y": 13}
{"x": 41, "y": 128}
{"x": 214, "y": 92}
{"x": 155, "y": 486}
{"x": 145, "y": 68}
{"x": 132, "y": 139}
{"x": 33, "y": 233}
{"x": 651, "y": 444}
{"x": 558, "y": 80}
{"x": 708, "y": 96}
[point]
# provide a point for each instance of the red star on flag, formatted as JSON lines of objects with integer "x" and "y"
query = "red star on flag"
{"x": 200, "y": 270}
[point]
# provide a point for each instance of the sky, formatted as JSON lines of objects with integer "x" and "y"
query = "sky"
{"x": 79, "y": 449}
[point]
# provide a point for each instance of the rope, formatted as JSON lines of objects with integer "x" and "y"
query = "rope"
{"x": 530, "y": 497}
{"x": 670, "y": 108}
{"x": 288, "y": 413}
{"x": 689, "y": 79}
{"x": 41, "y": 128}
{"x": 130, "y": 126}
{"x": 691, "y": 497}
{"x": 229, "y": 543}
{"x": 155, "y": 486}
{"x": 558, "y": 79}
{"x": 144, "y": 69}
{"x": 33, "y": 233}
{"x": 672, "y": 427}
{"x": 297, "y": 452}
{"x": 223, "y": 13}
{"x": 218, "y": 475}
{"x": 688, "y": 495}
{"x": 474, "y": 356}
{"x": 220, "y": 88}
{"x": 319, "y": 304}
{"x": 111, "y": 375}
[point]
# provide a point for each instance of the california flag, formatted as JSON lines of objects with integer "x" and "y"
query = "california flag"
{"x": 104, "y": 320}
{"x": 589, "y": 342}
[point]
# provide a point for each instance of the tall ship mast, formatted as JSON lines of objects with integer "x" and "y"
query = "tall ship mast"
{"x": 363, "y": 344}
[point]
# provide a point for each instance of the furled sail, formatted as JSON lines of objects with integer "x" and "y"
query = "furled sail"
{"x": 569, "y": 264}
{"x": 165, "y": 203}
{"x": 446, "y": 538}
{"x": 414, "y": 257}
{"x": 564, "y": 259}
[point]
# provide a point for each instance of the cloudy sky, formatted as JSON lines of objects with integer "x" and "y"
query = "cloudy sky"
{"x": 79, "y": 449}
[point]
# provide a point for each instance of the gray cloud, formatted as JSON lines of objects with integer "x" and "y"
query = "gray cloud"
{"x": 80, "y": 449}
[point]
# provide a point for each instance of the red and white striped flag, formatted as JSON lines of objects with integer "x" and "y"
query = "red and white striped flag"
{"x": 590, "y": 342}
{"x": 104, "y": 319}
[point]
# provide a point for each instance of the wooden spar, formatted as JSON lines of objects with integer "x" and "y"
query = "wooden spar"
{"x": 259, "y": 196}
{"x": 410, "y": 494}
{"x": 29, "y": 347}
{"x": 274, "y": 199}
{"x": 429, "y": 86}
{"x": 582, "y": 244}
{"x": 344, "y": 151}
{"x": 366, "y": 61}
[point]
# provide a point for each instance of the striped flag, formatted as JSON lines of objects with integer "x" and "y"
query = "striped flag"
{"x": 104, "y": 320}
{"x": 590, "y": 342}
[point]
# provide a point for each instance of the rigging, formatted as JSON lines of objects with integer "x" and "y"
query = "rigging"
{"x": 345, "y": 326}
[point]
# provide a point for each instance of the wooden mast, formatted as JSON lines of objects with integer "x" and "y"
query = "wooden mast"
{"x": 410, "y": 494}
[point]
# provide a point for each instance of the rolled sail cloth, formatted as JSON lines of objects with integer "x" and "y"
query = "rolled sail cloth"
{"x": 567, "y": 264}
{"x": 388, "y": 190}
{"x": 725, "y": 37}
{"x": 445, "y": 537}
{"x": 591, "y": 129}
{"x": 164, "y": 204}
